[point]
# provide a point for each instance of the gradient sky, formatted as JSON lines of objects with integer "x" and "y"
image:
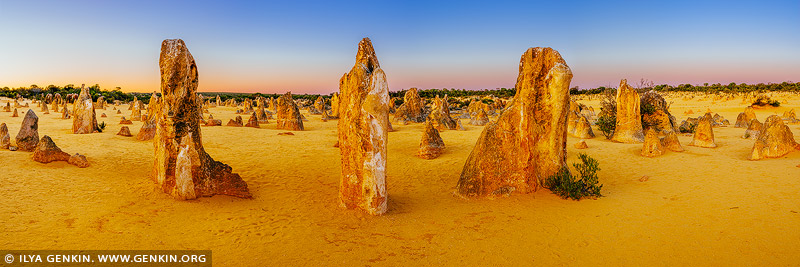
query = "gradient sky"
{"x": 306, "y": 46}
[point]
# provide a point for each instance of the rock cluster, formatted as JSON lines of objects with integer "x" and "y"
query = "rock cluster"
{"x": 412, "y": 109}
{"x": 236, "y": 122}
{"x": 252, "y": 121}
{"x": 480, "y": 118}
{"x": 363, "y": 132}
{"x": 527, "y": 143}
{"x": 774, "y": 141}
{"x": 578, "y": 123}
{"x": 440, "y": 114}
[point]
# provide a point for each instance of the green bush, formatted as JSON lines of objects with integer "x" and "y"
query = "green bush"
{"x": 565, "y": 185}
{"x": 101, "y": 127}
{"x": 607, "y": 124}
{"x": 764, "y": 100}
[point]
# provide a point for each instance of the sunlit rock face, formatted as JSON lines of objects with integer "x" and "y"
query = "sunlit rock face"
{"x": 744, "y": 118}
{"x": 774, "y": 141}
{"x": 84, "y": 120}
{"x": 28, "y": 136}
{"x": 5, "y": 138}
{"x": 431, "y": 145}
{"x": 753, "y": 130}
{"x": 363, "y": 132}
{"x": 440, "y": 114}
{"x": 46, "y": 151}
{"x": 652, "y": 146}
{"x": 335, "y": 106}
{"x": 527, "y": 143}
{"x": 288, "y": 115}
{"x": 178, "y": 117}
{"x": 629, "y": 118}
{"x": 412, "y": 109}
{"x": 671, "y": 142}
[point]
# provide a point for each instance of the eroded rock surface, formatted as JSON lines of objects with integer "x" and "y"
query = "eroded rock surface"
{"x": 432, "y": 144}
{"x": 363, "y": 132}
{"x": 629, "y": 118}
{"x": 775, "y": 140}
{"x": 288, "y": 116}
{"x": 84, "y": 120}
{"x": 178, "y": 117}
{"x": 28, "y": 135}
{"x": 527, "y": 143}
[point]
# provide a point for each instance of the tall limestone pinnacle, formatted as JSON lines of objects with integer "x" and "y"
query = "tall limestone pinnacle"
{"x": 85, "y": 119}
{"x": 629, "y": 117}
{"x": 527, "y": 143}
{"x": 363, "y": 132}
{"x": 178, "y": 134}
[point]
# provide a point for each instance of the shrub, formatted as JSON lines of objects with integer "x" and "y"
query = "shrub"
{"x": 101, "y": 127}
{"x": 763, "y": 100}
{"x": 565, "y": 185}
{"x": 606, "y": 124}
{"x": 687, "y": 127}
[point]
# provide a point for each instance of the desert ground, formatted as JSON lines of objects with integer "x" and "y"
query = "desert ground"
{"x": 702, "y": 206}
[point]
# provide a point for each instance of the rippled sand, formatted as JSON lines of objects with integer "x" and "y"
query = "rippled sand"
{"x": 700, "y": 207}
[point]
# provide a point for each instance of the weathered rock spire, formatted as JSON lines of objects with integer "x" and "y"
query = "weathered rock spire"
{"x": 363, "y": 127}
{"x": 178, "y": 117}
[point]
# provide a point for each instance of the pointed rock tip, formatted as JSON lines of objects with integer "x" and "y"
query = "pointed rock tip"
{"x": 366, "y": 54}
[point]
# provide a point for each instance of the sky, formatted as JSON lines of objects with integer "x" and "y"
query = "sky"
{"x": 306, "y": 46}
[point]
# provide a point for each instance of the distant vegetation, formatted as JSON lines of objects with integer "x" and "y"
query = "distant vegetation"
{"x": 731, "y": 88}
{"x": 35, "y": 92}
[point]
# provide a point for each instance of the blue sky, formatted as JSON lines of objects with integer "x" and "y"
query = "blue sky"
{"x": 305, "y": 46}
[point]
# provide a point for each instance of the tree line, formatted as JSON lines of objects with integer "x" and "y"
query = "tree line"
{"x": 36, "y": 92}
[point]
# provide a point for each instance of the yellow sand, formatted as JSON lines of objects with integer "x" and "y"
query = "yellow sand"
{"x": 700, "y": 207}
